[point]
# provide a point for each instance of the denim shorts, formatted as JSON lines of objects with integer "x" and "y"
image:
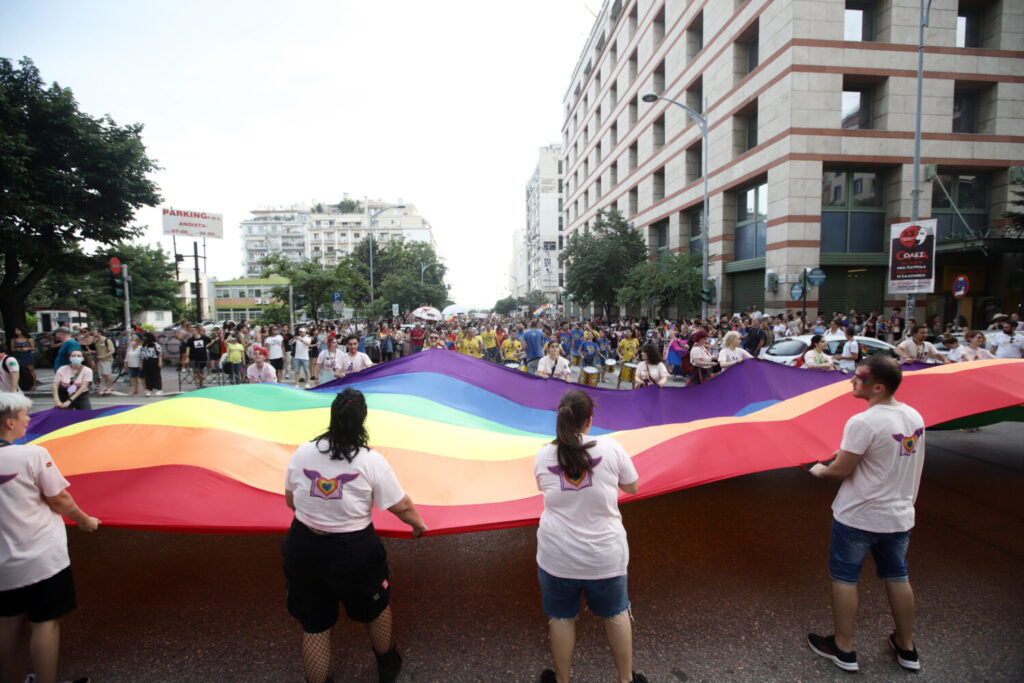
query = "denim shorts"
{"x": 850, "y": 546}
{"x": 560, "y": 598}
{"x": 300, "y": 364}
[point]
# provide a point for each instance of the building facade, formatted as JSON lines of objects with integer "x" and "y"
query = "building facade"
{"x": 811, "y": 110}
{"x": 245, "y": 298}
{"x": 273, "y": 231}
{"x": 544, "y": 225}
{"x": 518, "y": 271}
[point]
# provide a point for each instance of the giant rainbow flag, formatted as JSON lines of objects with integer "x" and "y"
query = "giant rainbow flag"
{"x": 461, "y": 435}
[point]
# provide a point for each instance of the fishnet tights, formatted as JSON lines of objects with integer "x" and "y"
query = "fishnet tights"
{"x": 316, "y": 656}
{"x": 381, "y": 636}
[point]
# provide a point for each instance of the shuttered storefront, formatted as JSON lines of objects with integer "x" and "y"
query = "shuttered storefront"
{"x": 747, "y": 291}
{"x": 849, "y": 287}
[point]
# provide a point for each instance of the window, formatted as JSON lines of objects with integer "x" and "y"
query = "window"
{"x": 658, "y": 190}
{"x": 694, "y": 161}
{"x": 745, "y": 128}
{"x": 751, "y": 217}
{"x": 613, "y": 134}
{"x": 158, "y": 315}
{"x": 970, "y": 192}
{"x": 745, "y": 52}
{"x": 965, "y": 110}
{"x": 355, "y": 235}
{"x": 659, "y": 238}
{"x": 613, "y": 95}
{"x": 968, "y": 27}
{"x": 658, "y": 28}
{"x": 634, "y": 62}
{"x": 634, "y": 195}
{"x": 632, "y": 111}
{"x": 695, "y": 36}
{"x": 695, "y": 96}
{"x": 238, "y": 292}
{"x": 223, "y": 293}
{"x": 659, "y": 132}
{"x": 695, "y": 219}
{"x": 852, "y": 212}
{"x": 859, "y": 20}
{"x": 659, "y": 78}
{"x": 597, "y": 189}
{"x": 856, "y": 108}
{"x": 613, "y": 170}
{"x": 634, "y": 150}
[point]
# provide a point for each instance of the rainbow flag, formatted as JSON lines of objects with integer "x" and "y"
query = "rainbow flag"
{"x": 461, "y": 435}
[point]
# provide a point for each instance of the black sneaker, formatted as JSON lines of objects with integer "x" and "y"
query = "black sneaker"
{"x": 826, "y": 647}
{"x": 639, "y": 678}
{"x": 548, "y": 676}
{"x": 389, "y": 665}
{"x": 908, "y": 659}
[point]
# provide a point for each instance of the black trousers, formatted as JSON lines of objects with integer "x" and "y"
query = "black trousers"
{"x": 151, "y": 374}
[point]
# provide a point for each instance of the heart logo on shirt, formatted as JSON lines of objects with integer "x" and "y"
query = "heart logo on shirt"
{"x": 579, "y": 483}
{"x": 327, "y": 488}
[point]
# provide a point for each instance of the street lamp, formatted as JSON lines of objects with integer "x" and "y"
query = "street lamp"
{"x": 915, "y": 193}
{"x": 702, "y": 124}
{"x": 372, "y": 218}
{"x": 424, "y": 268}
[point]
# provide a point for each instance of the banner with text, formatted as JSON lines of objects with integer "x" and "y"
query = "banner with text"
{"x": 912, "y": 257}
{"x": 193, "y": 223}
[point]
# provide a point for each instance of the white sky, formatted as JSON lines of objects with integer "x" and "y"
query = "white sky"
{"x": 254, "y": 104}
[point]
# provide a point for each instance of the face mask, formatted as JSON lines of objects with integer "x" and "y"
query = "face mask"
{"x": 76, "y": 360}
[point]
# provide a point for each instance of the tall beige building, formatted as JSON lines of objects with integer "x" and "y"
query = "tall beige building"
{"x": 811, "y": 110}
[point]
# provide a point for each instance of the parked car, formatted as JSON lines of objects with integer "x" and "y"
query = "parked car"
{"x": 791, "y": 350}
{"x": 959, "y": 336}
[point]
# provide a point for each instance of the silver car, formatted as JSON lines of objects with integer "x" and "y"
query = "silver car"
{"x": 791, "y": 350}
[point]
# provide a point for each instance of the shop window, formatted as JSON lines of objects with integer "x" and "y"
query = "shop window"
{"x": 852, "y": 212}
{"x": 751, "y": 222}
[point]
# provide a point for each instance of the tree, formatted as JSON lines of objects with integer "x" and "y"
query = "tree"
{"x": 596, "y": 262}
{"x": 313, "y": 285}
{"x": 506, "y": 306}
{"x": 350, "y": 206}
{"x": 533, "y": 299}
{"x": 674, "y": 279}
{"x": 406, "y": 273}
{"x": 275, "y": 314}
{"x": 65, "y": 177}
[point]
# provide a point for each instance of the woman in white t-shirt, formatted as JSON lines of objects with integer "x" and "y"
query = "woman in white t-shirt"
{"x": 553, "y": 364}
{"x": 133, "y": 361}
{"x": 975, "y": 349}
{"x": 732, "y": 353}
{"x": 581, "y": 543}
{"x": 651, "y": 371}
{"x": 300, "y": 357}
{"x": 331, "y": 553}
{"x": 71, "y": 384}
{"x": 327, "y": 362}
{"x": 816, "y": 358}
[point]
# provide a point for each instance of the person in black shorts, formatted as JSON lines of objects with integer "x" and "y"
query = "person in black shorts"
{"x": 331, "y": 554}
{"x": 35, "y": 569}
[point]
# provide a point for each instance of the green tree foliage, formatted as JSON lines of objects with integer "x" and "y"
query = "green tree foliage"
{"x": 597, "y": 262}
{"x": 64, "y": 177}
{"x": 399, "y": 275}
{"x": 313, "y": 286}
{"x": 674, "y": 279}
{"x": 275, "y": 314}
{"x": 350, "y": 206}
{"x": 506, "y": 306}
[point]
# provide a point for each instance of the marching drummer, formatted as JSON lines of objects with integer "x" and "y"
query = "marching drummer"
{"x": 627, "y": 350}
{"x": 590, "y": 353}
{"x": 553, "y": 364}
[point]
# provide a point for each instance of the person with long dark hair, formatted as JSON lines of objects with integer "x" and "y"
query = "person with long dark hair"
{"x": 331, "y": 553}
{"x": 152, "y": 360}
{"x": 581, "y": 543}
{"x": 651, "y": 371}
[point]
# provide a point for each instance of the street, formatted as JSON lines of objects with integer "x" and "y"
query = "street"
{"x": 726, "y": 580}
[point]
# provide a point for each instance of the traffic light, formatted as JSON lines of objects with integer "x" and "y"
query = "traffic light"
{"x": 116, "y": 286}
{"x": 707, "y": 294}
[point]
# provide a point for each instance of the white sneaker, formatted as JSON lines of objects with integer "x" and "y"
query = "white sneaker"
{"x": 159, "y": 393}
{"x": 149, "y": 393}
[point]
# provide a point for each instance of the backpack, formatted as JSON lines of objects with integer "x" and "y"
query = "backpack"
{"x": 685, "y": 366}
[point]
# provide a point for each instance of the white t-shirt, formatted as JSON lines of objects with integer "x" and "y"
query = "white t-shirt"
{"x": 970, "y": 353}
{"x": 338, "y": 496}
{"x": 33, "y": 542}
{"x": 1007, "y": 347}
{"x": 301, "y": 350}
{"x": 812, "y": 359}
{"x": 879, "y": 495}
{"x": 349, "y": 363}
{"x": 654, "y": 374}
{"x": 580, "y": 535}
{"x": 10, "y": 365}
{"x": 66, "y": 372}
{"x": 133, "y": 357}
{"x": 255, "y": 375}
{"x": 850, "y": 348}
{"x": 733, "y": 355}
{"x": 275, "y": 347}
{"x": 327, "y": 361}
{"x": 912, "y": 350}
{"x": 558, "y": 368}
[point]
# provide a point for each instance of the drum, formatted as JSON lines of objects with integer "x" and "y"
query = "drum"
{"x": 628, "y": 373}
{"x": 590, "y": 375}
{"x": 512, "y": 365}
{"x": 609, "y": 365}
{"x": 576, "y": 360}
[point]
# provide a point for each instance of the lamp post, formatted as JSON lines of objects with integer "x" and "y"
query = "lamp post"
{"x": 78, "y": 307}
{"x": 372, "y": 218}
{"x": 916, "y": 192}
{"x": 423, "y": 268}
{"x": 702, "y": 124}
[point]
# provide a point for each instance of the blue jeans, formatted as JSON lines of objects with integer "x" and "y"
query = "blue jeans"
{"x": 560, "y": 597}
{"x": 850, "y": 546}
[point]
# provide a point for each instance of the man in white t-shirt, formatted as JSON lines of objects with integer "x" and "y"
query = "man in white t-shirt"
{"x": 879, "y": 463}
{"x": 850, "y": 354}
{"x": 35, "y": 568}
{"x": 1009, "y": 343}
{"x": 274, "y": 344}
{"x": 915, "y": 348}
{"x": 9, "y": 372}
{"x": 353, "y": 360}
{"x": 300, "y": 356}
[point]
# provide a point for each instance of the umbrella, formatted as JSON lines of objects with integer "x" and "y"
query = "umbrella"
{"x": 454, "y": 309}
{"x": 543, "y": 308}
{"x": 427, "y": 313}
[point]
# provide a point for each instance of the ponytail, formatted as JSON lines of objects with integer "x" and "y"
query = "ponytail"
{"x": 575, "y": 408}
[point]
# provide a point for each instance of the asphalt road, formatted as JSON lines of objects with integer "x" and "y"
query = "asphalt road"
{"x": 726, "y": 579}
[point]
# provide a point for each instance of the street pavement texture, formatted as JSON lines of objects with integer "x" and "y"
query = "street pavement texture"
{"x": 726, "y": 580}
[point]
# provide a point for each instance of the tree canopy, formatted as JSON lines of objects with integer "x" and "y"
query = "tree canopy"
{"x": 674, "y": 279}
{"x": 596, "y": 261}
{"x": 65, "y": 177}
{"x": 312, "y": 285}
{"x": 406, "y": 273}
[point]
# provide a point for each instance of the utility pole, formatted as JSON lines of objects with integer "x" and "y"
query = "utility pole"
{"x": 127, "y": 303}
{"x": 199, "y": 294}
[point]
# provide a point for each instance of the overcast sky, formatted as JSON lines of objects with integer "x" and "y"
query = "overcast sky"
{"x": 255, "y": 104}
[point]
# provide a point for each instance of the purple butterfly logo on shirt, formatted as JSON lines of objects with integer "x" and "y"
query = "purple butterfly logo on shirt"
{"x": 4, "y": 478}
{"x": 579, "y": 483}
{"x": 328, "y": 489}
{"x": 908, "y": 444}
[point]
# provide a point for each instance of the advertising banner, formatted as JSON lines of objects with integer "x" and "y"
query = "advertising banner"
{"x": 549, "y": 276}
{"x": 912, "y": 257}
{"x": 193, "y": 223}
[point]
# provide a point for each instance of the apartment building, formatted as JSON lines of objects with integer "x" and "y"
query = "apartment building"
{"x": 518, "y": 270}
{"x": 544, "y": 224}
{"x": 273, "y": 231}
{"x": 811, "y": 109}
